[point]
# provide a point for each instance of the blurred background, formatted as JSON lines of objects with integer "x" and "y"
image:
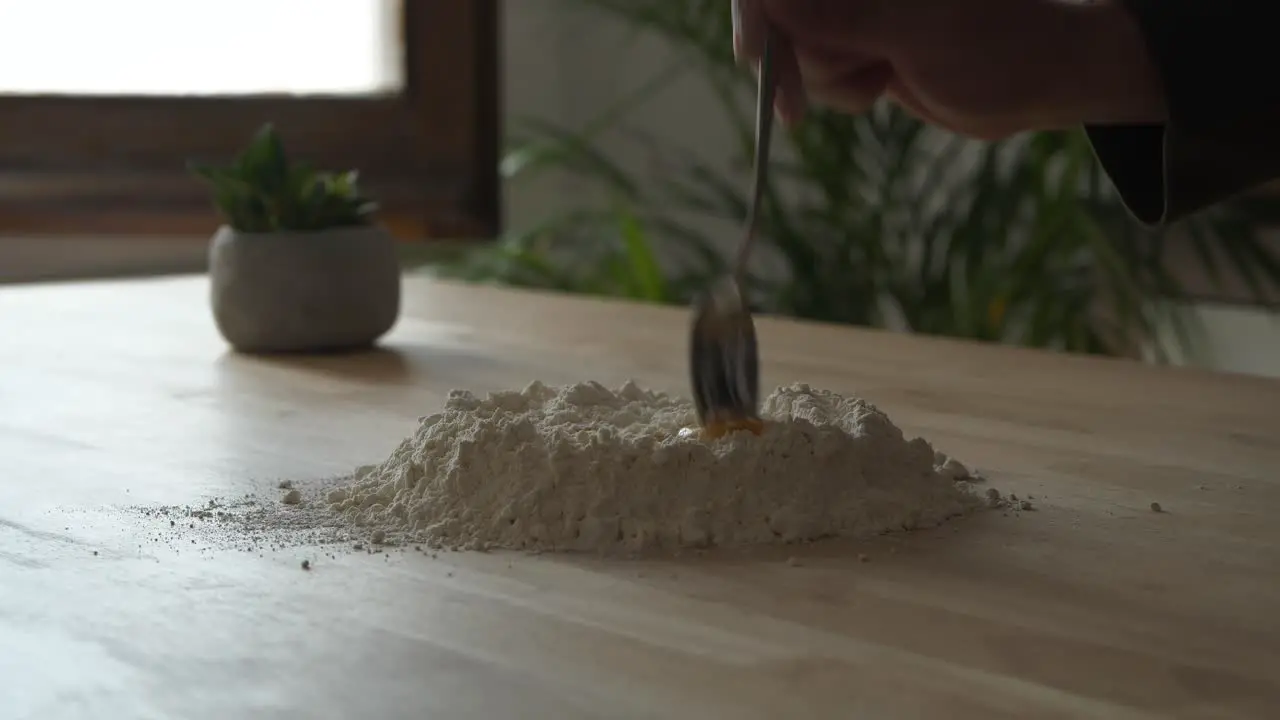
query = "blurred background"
{"x": 597, "y": 147}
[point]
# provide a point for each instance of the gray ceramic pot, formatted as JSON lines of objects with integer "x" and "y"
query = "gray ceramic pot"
{"x": 330, "y": 290}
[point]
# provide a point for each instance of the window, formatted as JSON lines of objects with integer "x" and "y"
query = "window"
{"x": 103, "y": 104}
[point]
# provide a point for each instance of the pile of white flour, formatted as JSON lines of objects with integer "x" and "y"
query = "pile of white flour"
{"x": 586, "y": 468}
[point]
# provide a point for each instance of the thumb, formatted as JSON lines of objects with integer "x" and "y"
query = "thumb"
{"x": 825, "y": 24}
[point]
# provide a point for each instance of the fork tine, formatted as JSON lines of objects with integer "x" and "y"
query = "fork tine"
{"x": 724, "y": 358}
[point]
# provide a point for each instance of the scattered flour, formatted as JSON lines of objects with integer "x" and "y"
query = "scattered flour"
{"x": 585, "y": 468}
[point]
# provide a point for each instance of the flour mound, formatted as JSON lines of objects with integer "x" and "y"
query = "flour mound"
{"x": 582, "y": 467}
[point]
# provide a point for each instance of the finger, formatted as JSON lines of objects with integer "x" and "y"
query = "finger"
{"x": 855, "y": 91}
{"x": 985, "y": 129}
{"x": 791, "y": 100}
{"x": 823, "y": 68}
{"x": 749, "y": 30}
{"x": 906, "y": 98}
{"x": 839, "y": 24}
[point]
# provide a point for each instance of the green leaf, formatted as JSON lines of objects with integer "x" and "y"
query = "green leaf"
{"x": 558, "y": 146}
{"x": 264, "y": 162}
{"x": 647, "y": 278}
{"x": 262, "y": 191}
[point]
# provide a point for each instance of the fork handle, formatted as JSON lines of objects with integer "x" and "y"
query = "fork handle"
{"x": 766, "y": 84}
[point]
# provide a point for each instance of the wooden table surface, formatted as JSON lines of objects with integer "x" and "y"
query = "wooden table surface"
{"x": 116, "y": 395}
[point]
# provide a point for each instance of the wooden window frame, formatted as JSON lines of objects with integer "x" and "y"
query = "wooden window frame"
{"x": 117, "y": 164}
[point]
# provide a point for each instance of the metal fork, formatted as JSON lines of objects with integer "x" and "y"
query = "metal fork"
{"x": 724, "y": 357}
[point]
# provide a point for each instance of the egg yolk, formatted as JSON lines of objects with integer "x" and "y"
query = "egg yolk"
{"x": 720, "y": 428}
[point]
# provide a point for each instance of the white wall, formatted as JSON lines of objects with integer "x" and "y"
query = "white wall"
{"x": 1243, "y": 340}
{"x": 569, "y": 64}
{"x": 1232, "y": 338}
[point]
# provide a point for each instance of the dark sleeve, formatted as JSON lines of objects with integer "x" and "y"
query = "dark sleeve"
{"x": 1221, "y": 74}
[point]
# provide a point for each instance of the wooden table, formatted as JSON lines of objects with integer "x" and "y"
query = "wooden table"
{"x": 121, "y": 394}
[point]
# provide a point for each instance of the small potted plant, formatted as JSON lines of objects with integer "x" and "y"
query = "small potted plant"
{"x": 299, "y": 264}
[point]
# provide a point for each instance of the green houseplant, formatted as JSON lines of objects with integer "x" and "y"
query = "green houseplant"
{"x": 886, "y": 222}
{"x": 299, "y": 263}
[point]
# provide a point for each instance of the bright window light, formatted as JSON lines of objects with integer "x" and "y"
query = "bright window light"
{"x": 184, "y": 47}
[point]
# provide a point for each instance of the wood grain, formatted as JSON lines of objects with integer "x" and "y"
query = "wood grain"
{"x": 1093, "y": 606}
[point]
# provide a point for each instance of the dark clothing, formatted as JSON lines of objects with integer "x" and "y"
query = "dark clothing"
{"x": 1215, "y": 59}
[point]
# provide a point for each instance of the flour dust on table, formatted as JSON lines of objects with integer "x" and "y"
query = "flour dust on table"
{"x": 585, "y": 468}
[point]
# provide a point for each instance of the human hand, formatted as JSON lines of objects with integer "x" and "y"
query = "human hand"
{"x": 982, "y": 68}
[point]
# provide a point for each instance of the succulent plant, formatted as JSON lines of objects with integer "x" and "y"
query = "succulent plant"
{"x": 262, "y": 191}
